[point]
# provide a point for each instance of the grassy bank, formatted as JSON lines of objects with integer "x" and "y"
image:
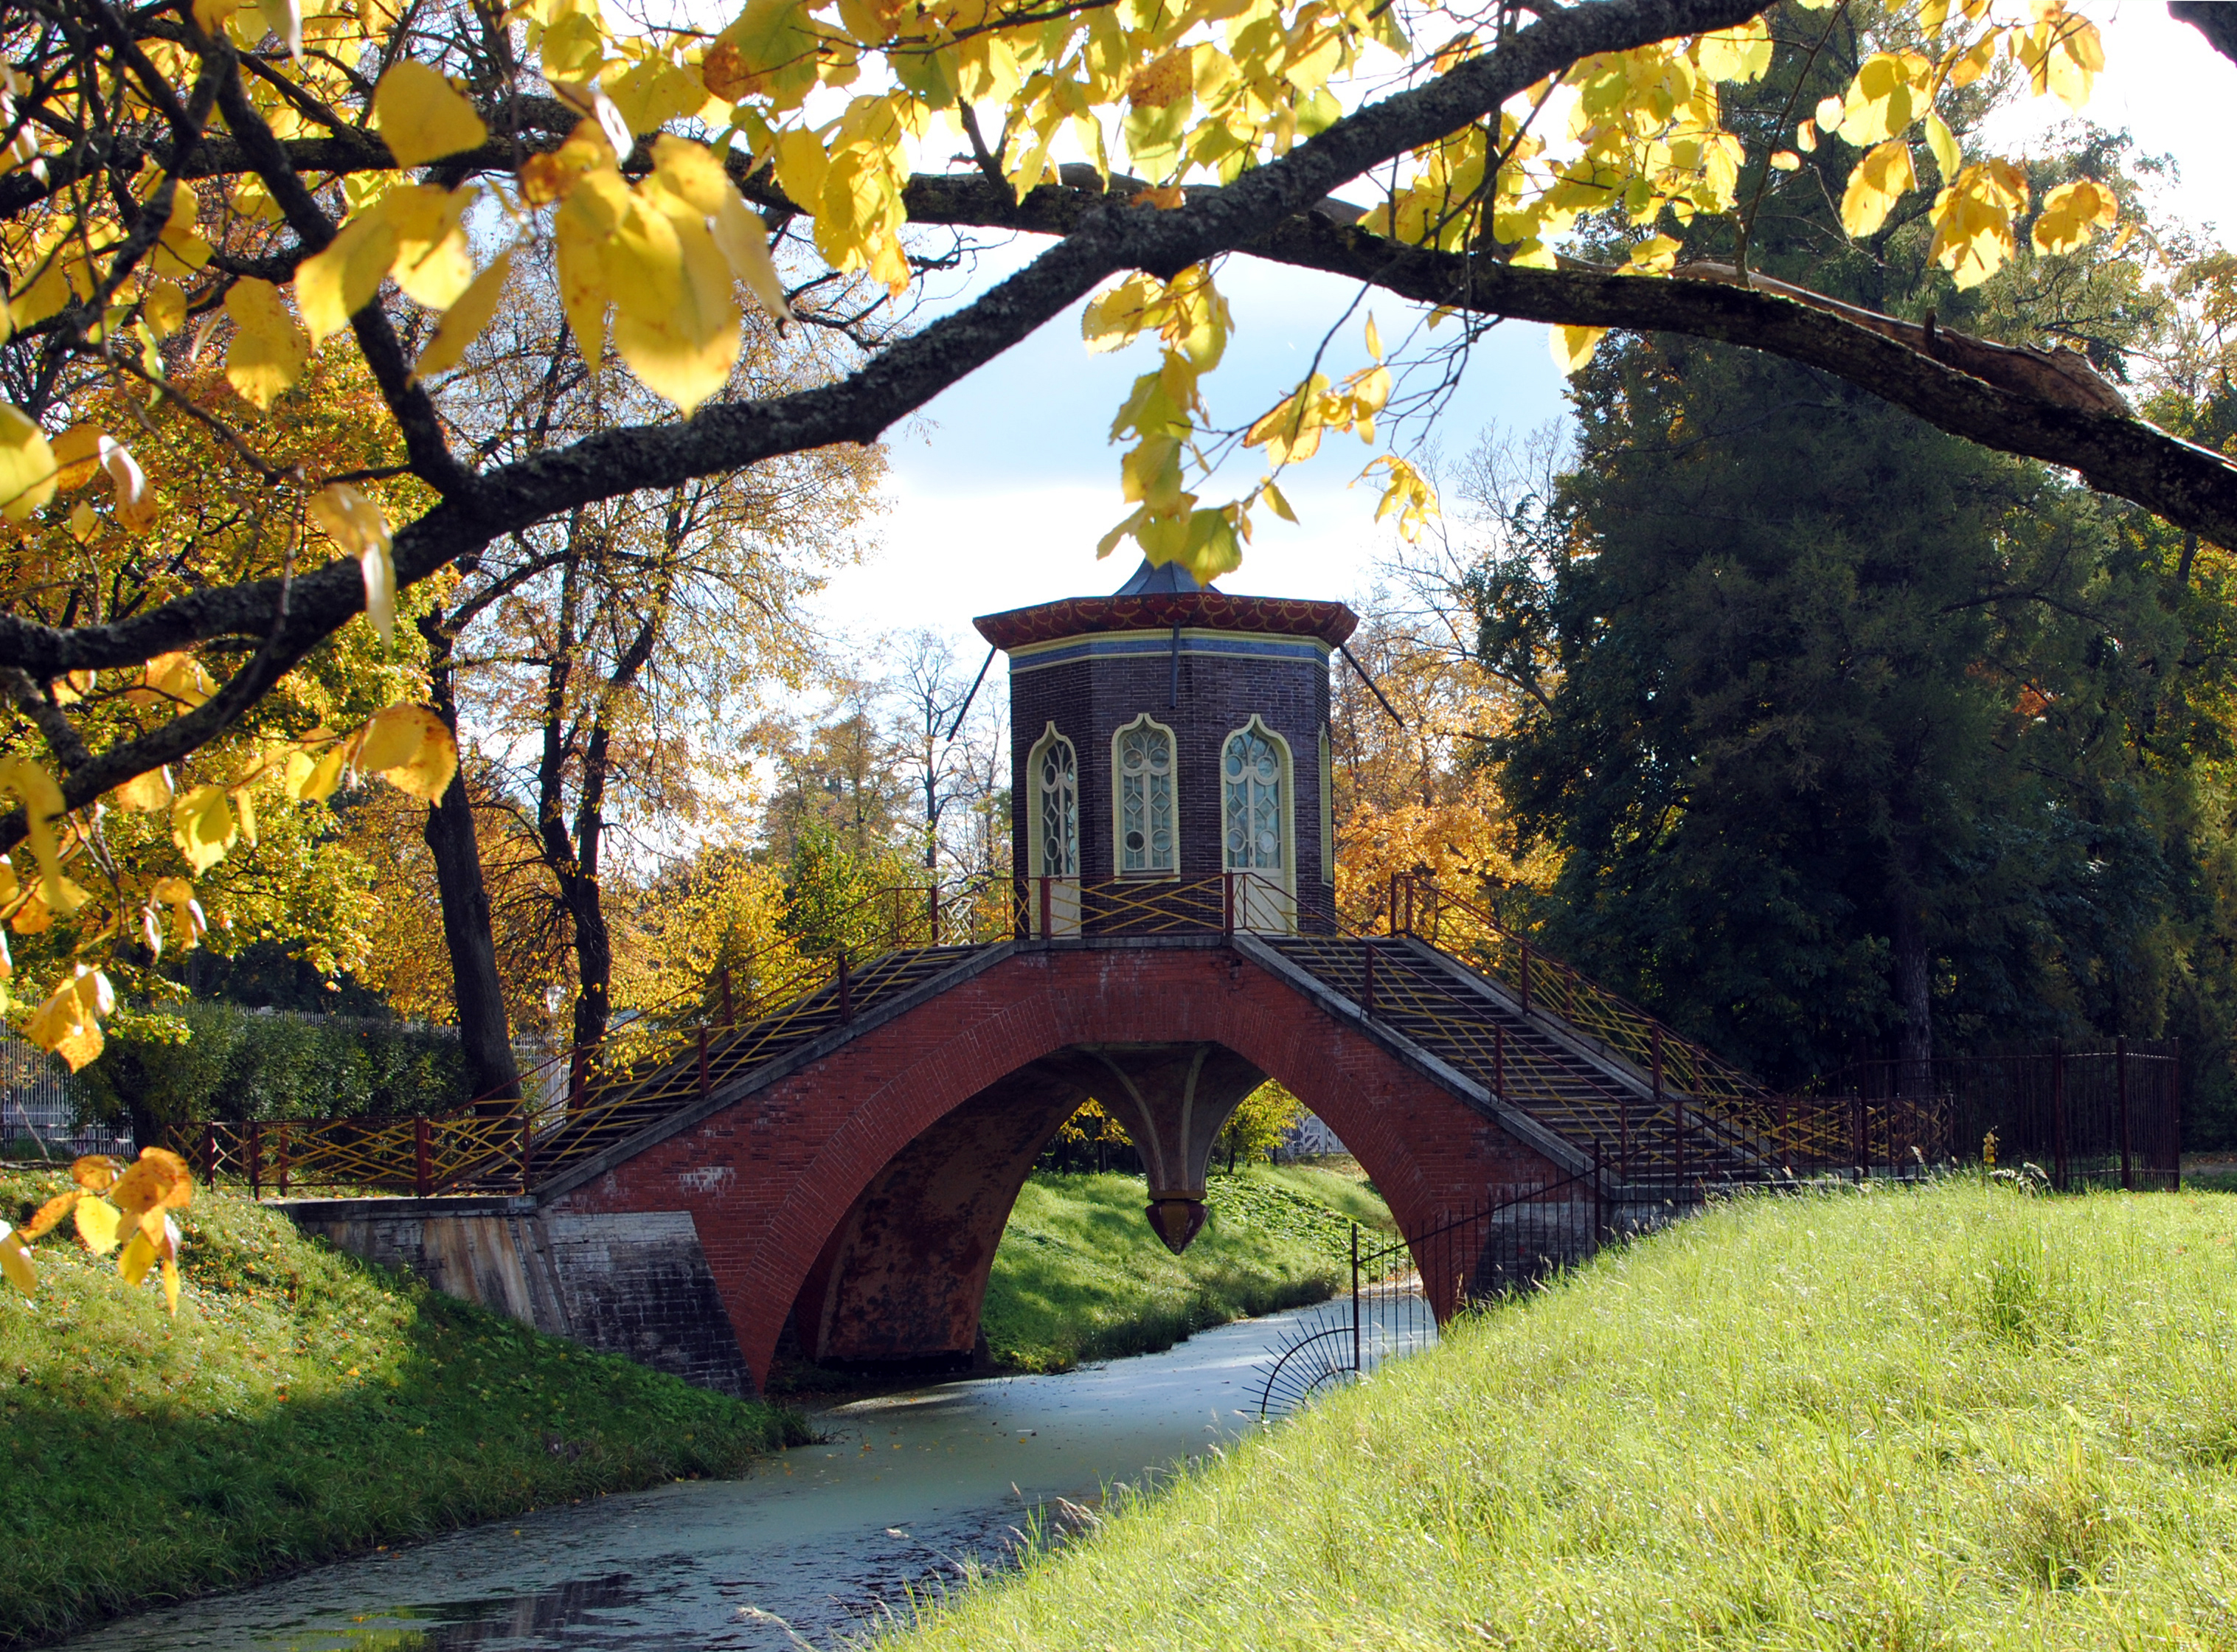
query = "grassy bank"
{"x": 1080, "y": 1275}
{"x": 1961, "y": 1416}
{"x": 300, "y": 1406}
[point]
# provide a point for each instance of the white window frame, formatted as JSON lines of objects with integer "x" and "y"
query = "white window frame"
{"x": 1270, "y": 910}
{"x": 1036, "y": 845}
{"x": 1119, "y": 867}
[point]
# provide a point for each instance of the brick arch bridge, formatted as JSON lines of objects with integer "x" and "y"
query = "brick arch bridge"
{"x": 835, "y": 1174}
{"x": 859, "y": 1195}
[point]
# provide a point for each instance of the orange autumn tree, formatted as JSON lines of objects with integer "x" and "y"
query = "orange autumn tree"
{"x": 1413, "y": 793}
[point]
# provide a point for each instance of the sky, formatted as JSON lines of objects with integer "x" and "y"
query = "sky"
{"x": 999, "y": 492}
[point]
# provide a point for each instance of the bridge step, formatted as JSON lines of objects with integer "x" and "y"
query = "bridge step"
{"x": 1582, "y": 1092}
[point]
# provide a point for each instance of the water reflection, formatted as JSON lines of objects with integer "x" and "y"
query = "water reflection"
{"x": 909, "y": 1490}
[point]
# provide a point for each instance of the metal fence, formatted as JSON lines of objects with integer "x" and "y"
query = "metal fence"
{"x": 2108, "y": 1113}
{"x": 38, "y": 1116}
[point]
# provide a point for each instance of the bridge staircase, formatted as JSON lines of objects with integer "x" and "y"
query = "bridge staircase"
{"x": 1438, "y": 974}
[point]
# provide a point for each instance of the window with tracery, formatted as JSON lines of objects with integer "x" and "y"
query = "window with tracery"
{"x": 1055, "y": 769}
{"x": 1142, "y": 761}
{"x": 1256, "y": 810}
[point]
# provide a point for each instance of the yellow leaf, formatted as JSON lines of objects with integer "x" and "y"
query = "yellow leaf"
{"x": 407, "y": 746}
{"x": 353, "y": 522}
{"x": 15, "y": 1261}
{"x": 51, "y": 1212}
{"x": 135, "y": 500}
{"x": 463, "y": 322}
{"x": 97, "y": 1173}
{"x": 78, "y": 455}
{"x": 203, "y": 827}
{"x": 742, "y": 238}
{"x": 1573, "y": 346}
{"x": 27, "y": 465}
{"x": 68, "y": 1022}
{"x": 2071, "y": 213}
{"x": 1881, "y": 179}
{"x": 97, "y": 1221}
{"x": 1275, "y": 499}
{"x": 269, "y": 348}
{"x": 1943, "y": 144}
{"x": 145, "y": 794}
{"x": 802, "y": 165}
{"x": 433, "y": 264}
{"x": 683, "y": 349}
{"x": 315, "y": 779}
{"x": 171, "y": 1285}
{"x": 1785, "y": 161}
{"x": 155, "y": 1182}
{"x": 421, "y": 117}
{"x": 138, "y": 1257}
{"x": 43, "y": 807}
{"x": 1374, "y": 338}
{"x": 335, "y": 284}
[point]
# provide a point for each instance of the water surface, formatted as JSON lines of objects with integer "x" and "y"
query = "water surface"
{"x": 819, "y": 1541}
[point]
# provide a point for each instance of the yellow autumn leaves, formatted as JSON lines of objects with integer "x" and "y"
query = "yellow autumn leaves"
{"x": 123, "y": 1208}
{"x": 652, "y": 265}
{"x": 1976, "y": 211}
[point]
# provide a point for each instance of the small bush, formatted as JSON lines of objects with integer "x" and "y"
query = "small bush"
{"x": 214, "y": 1061}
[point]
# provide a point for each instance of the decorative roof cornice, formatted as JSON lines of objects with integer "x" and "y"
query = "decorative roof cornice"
{"x": 1331, "y": 622}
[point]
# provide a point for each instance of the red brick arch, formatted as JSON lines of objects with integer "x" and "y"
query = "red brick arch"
{"x": 870, "y": 1186}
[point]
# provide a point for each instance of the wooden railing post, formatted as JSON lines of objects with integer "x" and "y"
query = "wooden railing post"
{"x": 846, "y": 996}
{"x": 1367, "y": 996}
{"x": 527, "y": 1143}
{"x": 1785, "y": 1134}
{"x": 2121, "y": 1091}
{"x": 703, "y": 1064}
{"x": 1227, "y": 904}
{"x": 1857, "y": 1148}
{"x": 1046, "y": 907}
{"x": 932, "y": 939}
{"x": 1499, "y": 1063}
{"x": 256, "y": 1158}
{"x": 209, "y": 1151}
{"x": 284, "y": 1143}
{"x": 1526, "y": 977}
{"x": 423, "y": 1169}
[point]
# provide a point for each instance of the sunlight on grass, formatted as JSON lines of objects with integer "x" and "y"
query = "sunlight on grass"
{"x": 1956, "y": 1417}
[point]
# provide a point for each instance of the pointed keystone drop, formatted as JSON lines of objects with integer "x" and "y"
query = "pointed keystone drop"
{"x": 1178, "y": 1218}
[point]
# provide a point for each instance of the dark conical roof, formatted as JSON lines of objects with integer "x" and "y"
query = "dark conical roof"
{"x": 1153, "y": 579}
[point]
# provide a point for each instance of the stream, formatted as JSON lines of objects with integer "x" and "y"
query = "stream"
{"x": 819, "y": 1541}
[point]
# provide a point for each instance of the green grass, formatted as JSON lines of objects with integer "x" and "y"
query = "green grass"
{"x": 302, "y": 1405}
{"x": 1960, "y": 1417}
{"x": 1080, "y": 1275}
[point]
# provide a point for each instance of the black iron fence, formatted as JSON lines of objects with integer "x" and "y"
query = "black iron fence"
{"x": 2107, "y": 1114}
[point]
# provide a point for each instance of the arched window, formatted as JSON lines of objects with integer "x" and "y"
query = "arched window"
{"x": 1254, "y": 771}
{"x": 1054, "y": 768}
{"x": 1142, "y": 799}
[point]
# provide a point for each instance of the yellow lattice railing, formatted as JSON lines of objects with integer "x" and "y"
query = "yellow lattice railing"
{"x": 1755, "y": 1119}
{"x": 598, "y": 1095}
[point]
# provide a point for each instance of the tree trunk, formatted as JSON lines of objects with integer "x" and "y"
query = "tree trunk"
{"x": 475, "y": 988}
{"x": 594, "y": 949}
